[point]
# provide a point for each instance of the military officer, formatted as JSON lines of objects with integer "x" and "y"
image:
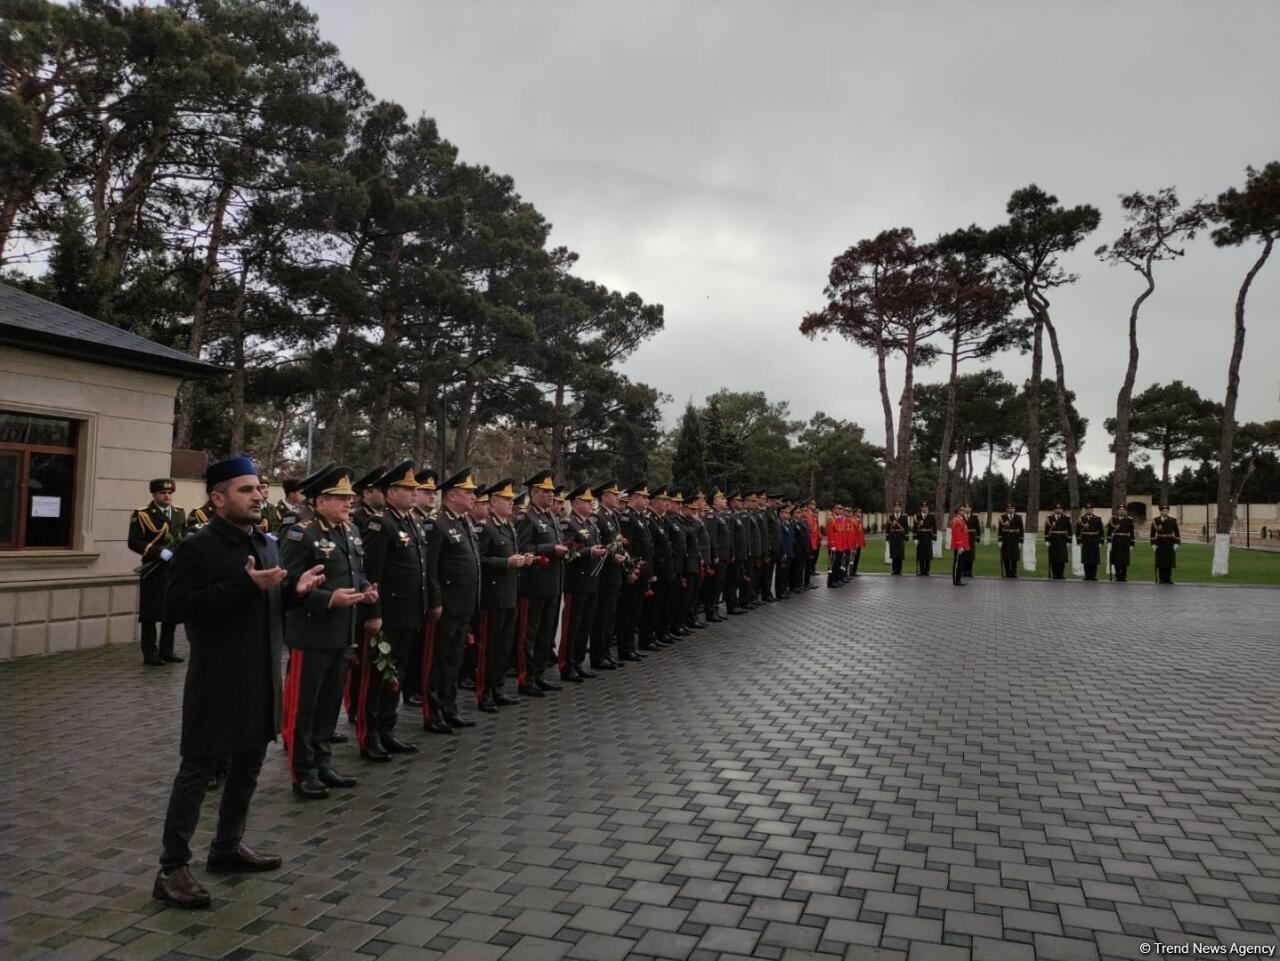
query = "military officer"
{"x": 154, "y": 531}
{"x": 369, "y": 493}
{"x": 500, "y": 564}
{"x": 1057, "y": 535}
{"x": 959, "y": 544}
{"x": 1165, "y": 538}
{"x": 1010, "y": 532}
{"x": 395, "y": 546}
{"x": 292, "y": 507}
{"x": 639, "y": 583}
{"x": 896, "y": 529}
{"x": 424, "y": 508}
{"x": 582, "y": 568}
{"x": 674, "y": 617}
{"x": 737, "y": 587}
{"x": 653, "y": 620}
{"x": 453, "y": 584}
{"x": 772, "y": 533}
{"x": 608, "y": 522}
{"x": 541, "y": 583}
{"x": 697, "y": 558}
{"x": 786, "y": 550}
{"x": 270, "y": 523}
{"x": 924, "y": 527}
{"x": 478, "y": 514}
{"x": 1120, "y": 534}
{"x": 320, "y": 632}
{"x": 800, "y": 561}
{"x": 198, "y": 518}
{"x": 759, "y": 544}
{"x": 1089, "y": 536}
{"x": 720, "y": 534}
{"x": 975, "y": 537}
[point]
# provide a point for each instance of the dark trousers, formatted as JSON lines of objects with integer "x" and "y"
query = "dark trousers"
{"x": 1009, "y": 564}
{"x": 1165, "y": 574}
{"x": 627, "y": 622}
{"x": 1121, "y": 573}
{"x": 689, "y": 600}
{"x": 712, "y": 588}
{"x": 810, "y": 565}
{"x": 1058, "y": 570}
{"x": 381, "y": 704}
{"x": 312, "y": 700}
{"x": 798, "y": 565}
{"x": 896, "y": 564}
{"x": 183, "y": 814}
{"x": 957, "y": 566}
{"x": 766, "y": 577}
{"x": 924, "y": 557}
{"x": 442, "y": 662}
{"x": 606, "y": 618}
{"x": 854, "y": 557}
{"x": 673, "y": 612}
{"x": 653, "y": 624}
{"x": 969, "y": 557}
{"x": 733, "y": 585}
{"x": 782, "y": 576}
{"x": 578, "y": 612}
{"x": 1090, "y": 572}
{"x": 149, "y": 639}
{"x": 411, "y": 681}
{"x": 493, "y": 649}
{"x": 539, "y": 632}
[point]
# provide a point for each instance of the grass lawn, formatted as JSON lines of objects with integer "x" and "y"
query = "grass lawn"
{"x": 1194, "y": 560}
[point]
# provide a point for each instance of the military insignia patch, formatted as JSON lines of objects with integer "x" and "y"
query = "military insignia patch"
{"x": 374, "y": 525}
{"x": 295, "y": 534}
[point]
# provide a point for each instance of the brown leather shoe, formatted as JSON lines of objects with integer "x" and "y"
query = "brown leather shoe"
{"x": 243, "y": 858}
{"x": 177, "y": 887}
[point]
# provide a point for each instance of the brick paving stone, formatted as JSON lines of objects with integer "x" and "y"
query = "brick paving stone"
{"x": 837, "y": 775}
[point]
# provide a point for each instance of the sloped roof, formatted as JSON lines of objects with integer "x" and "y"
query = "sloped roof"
{"x": 31, "y": 323}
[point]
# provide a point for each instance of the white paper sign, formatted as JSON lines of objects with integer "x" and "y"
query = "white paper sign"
{"x": 46, "y": 506}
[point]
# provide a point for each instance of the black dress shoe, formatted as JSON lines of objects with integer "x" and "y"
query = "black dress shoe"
{"x": 243, "y": 858}
{"x": 178, "y": 888}
{"x": 488, "y": 705}
{"x": 172, "y": 658}
{"x": 414, "y": 700}
{"x": 609, "y": 665}
{"x": 643, "y": 646}
{"x": 467, "y": 683}
{"x": 453, "y": 720}
{"x": 437, "y": 727}
{"x": 393, "y": 745}
{"x": 681, "y": 632}
{"x": 214, "y": 783}
{"x": 502, "y": 700}
{"x": 631, "y": 657}
{"x": 331, "y": 778}
{"x": 542, "y": 685}
{"x": 736, "y": 610}
{"x": 582, "y": 672}
{"x": 528, "y": 690}
{"x": 373, "y": 749}
{"x": 337, "y": 737}
{"x": 153, "y": 660}
{"x": 569, "y": 677}
{"x": 310, "y": 789}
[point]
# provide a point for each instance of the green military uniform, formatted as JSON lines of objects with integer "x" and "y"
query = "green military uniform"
{"x": 153, "y": 533}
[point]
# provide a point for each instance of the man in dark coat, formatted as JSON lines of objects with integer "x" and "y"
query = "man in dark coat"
{"x": 581, "y": 584}
{"x": 227, "y": 587}
{"x": 975, "y": 537}
{"x": 719, "y": 524}
{"x": 1121, "y": 534}
{"x": 500, "y": 564}
{"x": 737, "y": 590}
{"x": 1057, "y": 535}
{"x": 633, "y": 522}
{"x": 1010, "y": 531}
{"x": 772, "y": 535}
{"x": 293, "y": 506}
{"x": 541, "y": 583}
{"x": 896, "y": 530}
{"x": 924, "y": 528}
{"x": 1165, "y": 538}
{"x": 395, "y": 559}
{"x": 154, "y": 532}
{"x": 612, "y": 576}
{"x": 759, "y": 545}
{"x": 1089, "y": 536}
{"x": 321, "y": 632}
{"x": 653, "y": 622}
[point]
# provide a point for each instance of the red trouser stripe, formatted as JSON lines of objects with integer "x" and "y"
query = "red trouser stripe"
{"x": 346, "y": 688}
{"x": 482, "y": 652}
{"x": 522, "y": 628}
{"x": 563, "y": 660}
{"x": 428, "y": 646}
{"x": 292, "y": 693}
{"x": 362, "y": 704}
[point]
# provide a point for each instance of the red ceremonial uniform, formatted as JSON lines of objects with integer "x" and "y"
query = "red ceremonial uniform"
{"x": 959, "y": 534}
{"x": 857, "y": 535}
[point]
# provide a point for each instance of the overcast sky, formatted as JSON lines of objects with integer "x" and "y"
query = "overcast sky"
{"x": 715, "y": 156}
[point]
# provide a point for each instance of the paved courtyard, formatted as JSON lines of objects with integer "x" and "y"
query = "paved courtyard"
{"x": 897, "y": 769}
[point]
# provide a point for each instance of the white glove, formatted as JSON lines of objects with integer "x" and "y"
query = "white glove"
{"x": 1175, "y": 548}
{"x": 272, "y": 536}
{"x": 165, "y": 553}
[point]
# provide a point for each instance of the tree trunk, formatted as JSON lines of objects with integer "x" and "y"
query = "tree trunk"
{"x": 421, "y": 411}
{"x": 957, "y": 478}
{"x": 1226, "y": 503}
{"x": 237, "y": 366}
{"x": 1120, "y": 473}
{"x": 462, "y": 434}
{"x": 387, "y": 368}
{"x": 1033, "y": 445}
{"x": 948, "y": 423}
{"x": 124, "y": 219}
{"x": 906, "y": 403}
{"x": 557, "y": 435}
{"x": 200, "y": 311}
{"x": 890, "y": 461}
{"x": 991, "y": 497}
{"x": 1164, "y": 475}
{"x": 442, "y": 434}
{"x": 1064, "y": 419}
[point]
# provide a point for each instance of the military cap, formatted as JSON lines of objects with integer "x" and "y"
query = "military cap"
{"x": 543, "y": 480}
{"x": 426, "y": 479}
{"x": 290, "y": 484}
{"x": 306, "y": 482}
{"x": 640, "y": 487}
{"x": 774, "y": 497}
{"x": 522, "y": 501}
{"x": 370, "y": 479}
{"x": 735, "y": 496}
{"x": 581, "y": 493}
{"x": 660, "y": 492}
{"x": 608, "y": 487}
{"x": 336, "y": 480}
{"x": 482, "y": 495}
{"x": 560, "y": 492}
{"x": 676, "y": 495}
{"x": 399, "y": 475}
{"x": 163, "y": 484}
{"x": 463, "y": 480}
{"x": 504, "y": 488}
{"x": 224, "y": 470}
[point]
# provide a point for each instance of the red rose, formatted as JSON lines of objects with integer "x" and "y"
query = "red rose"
{"x": 393, "y": 686}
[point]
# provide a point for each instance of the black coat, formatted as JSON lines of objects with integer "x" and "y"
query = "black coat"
{"x": 1010, "y": 531}
{"x": 674, "y": 524}
{"x": 740, "y": 532}
{"x": 663, "y": 560}
{"x": 1164, "y": 536}
{"x": 635, "y": 528}
{"x": 975, "y": 531}
{"x": 395, "y": 558}
{"x": 582, "y": 574}
{"x": 772, "y": 534}
{"x": 539, "y": 533}
{"x": 1089, "y": 535}
{"x": 896, "y": 528}
{"x": 453, "y": 566}
{"x": 498, "y": 583}
{"x": 231, "y": 701}
{"x": 1121, "y": 534}
{"x": 925, "y": 528}
{"x": 609, "y": 523}
{"x": 721, "y": 537}
{"x": 1057, "y": 534}
{"x": 757, "y": 533}
{"x": 150, "y": 532}
{"x": 314, "y": 625}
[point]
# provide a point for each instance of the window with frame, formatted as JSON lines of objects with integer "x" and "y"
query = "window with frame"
{"x": 37, "y": 481}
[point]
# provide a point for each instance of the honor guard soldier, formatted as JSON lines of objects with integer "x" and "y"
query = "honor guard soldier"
{"x": 370, "y": 497}
{"x": 697, "y": 537}
{"x": 759, "y": 543}
{"x": 633, "y": 523}
{"x": 653, "y": 623}
{"x": 924, "y": 528}
{"x": 1120, "y": 534}
{"x": 321, "y": 632}
{"x": 975, "y": 538}
{"x": 1057, "y": 535}
{"x": 541, "y": 584}
{"x": 1090, "y": 535}
{"x": 395, "y": 553}
{"x": 500, "y": 564}
{"x": 1165, "y": 539}
{"x": 1010, "y": 532}
{"x": 478, "y": 514}
{"x": 198, "y": 518}
{"x": 674, "y": 519}
{"x": 959, "y": 544}
{"x": 292, "y": 507}
{"x": 154, "y": 531}
{"x": 612, "y": 575}
{"x": 786, "y": 550}
{"x": 737, "y": 591}
{"x": 772, "y": 533}
{"x": 896, "y": 528}
{"x": 800, "y": 559}
{"x": 270, "y": 524}
{"x": 453, "y": 584}
{"x": 424, "y": 508}
{"x": 582, "y": 568}
{"x": 857, "y": 541}
{"x": 691, "y": 581}
{"x": 720, "y": 534}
